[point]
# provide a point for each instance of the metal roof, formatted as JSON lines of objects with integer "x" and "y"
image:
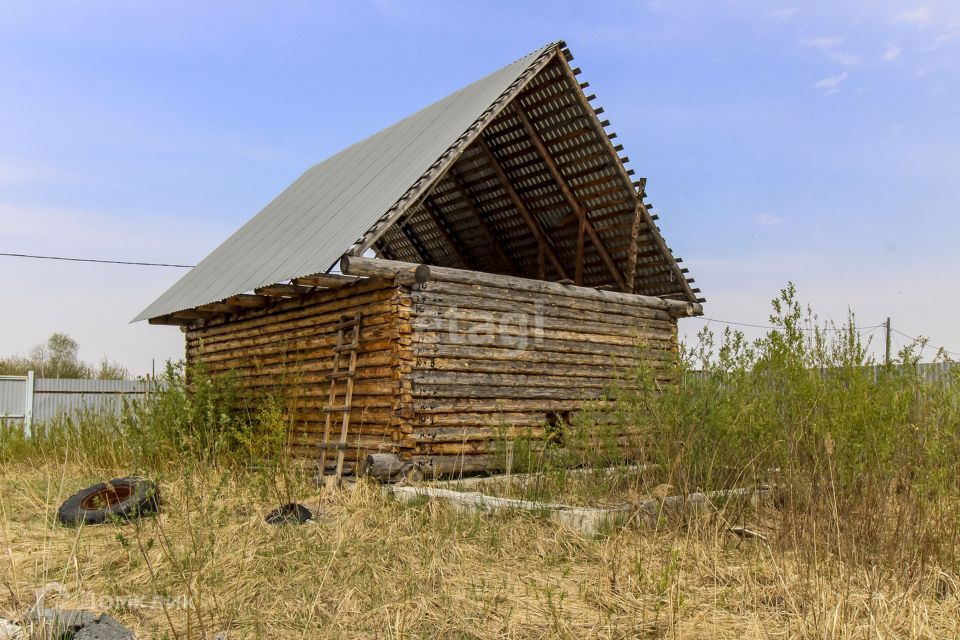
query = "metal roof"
{"x": 334, "y": 204}
{"x": 497, "y": 177}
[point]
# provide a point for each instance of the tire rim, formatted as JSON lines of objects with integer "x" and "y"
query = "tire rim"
{"x": 106, "y": 497}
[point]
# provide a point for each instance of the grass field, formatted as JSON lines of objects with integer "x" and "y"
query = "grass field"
{"x": 861, "y": 537}
{"x": 371, "y": 567}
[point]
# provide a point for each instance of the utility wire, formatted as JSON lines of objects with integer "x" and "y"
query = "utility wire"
{"x": 870, "y": 328}
{"x": 913, "y": 339}
{"x": 770, "y": 326}
{"x": 139, "y": 264}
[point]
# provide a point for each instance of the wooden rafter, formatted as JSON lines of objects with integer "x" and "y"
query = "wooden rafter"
{"x": 169, "y": 320}
{"x": 598, "y": 126}
{"x": 422, "y": 254}
{"x": 283, "y": 291}
{"x": 247, "y": 301}
{"x": 482, "y": 222}
{"x": 195, "y": 314}
{"x": 217, "y": 307}
{"x": 633, "y": 249}
{"x": 532, "y": 223}
{"x": 585, "y": 224}
{"x": 441, "y": 226}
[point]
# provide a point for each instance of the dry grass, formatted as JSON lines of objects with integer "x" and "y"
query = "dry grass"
{"x": 371, "y": 567}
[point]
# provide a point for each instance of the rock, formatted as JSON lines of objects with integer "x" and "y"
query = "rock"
{"x": 104, "y": 628}
{"x": 10, "y": 631}
{"x": 63, "y": 624}
{"x": 60, "y": 623}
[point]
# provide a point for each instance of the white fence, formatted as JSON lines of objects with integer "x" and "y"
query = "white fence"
{"x": 28, "y": 400}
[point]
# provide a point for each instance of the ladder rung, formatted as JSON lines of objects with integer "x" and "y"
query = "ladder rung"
{"x": 340, "y": 374}
{"x": 337, "y": 409}
{"x": 346, "y": 347}
{"x": 332, "y": 445}
{"x": 346, "y": 324}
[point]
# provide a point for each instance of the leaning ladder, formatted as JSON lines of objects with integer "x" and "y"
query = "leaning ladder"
{"x": 346, "y": 323}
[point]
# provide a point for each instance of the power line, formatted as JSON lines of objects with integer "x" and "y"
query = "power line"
{"x": 913, "y": 339}
{"x": 138, "y": 264}
{"x": 770, "y": 326}
{"x": 869, "y": 329}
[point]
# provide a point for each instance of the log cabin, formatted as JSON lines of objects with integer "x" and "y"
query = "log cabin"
{"x": 484, "y": 266}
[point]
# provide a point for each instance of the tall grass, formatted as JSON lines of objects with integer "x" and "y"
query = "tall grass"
{"x": 866, "y": 465}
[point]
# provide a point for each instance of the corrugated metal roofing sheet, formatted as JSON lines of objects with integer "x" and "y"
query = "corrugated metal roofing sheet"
{"x": 316, "y": 219}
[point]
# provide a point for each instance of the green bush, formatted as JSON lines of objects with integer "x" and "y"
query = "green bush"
{"x": 867, "y": 458}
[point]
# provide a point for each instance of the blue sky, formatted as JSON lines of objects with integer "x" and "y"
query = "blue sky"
{"x": 817, "y": 142}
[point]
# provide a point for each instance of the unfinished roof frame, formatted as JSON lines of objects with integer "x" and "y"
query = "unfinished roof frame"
{"x": 534, "y": 188}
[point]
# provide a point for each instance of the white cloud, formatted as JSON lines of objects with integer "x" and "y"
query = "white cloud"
{"x": 768, "y": 219}
{"x": 951, "y": 33}
{"x": 918, "y": 17}
{"x": 830, "y": 46}
{"x": 830, "y": 85}
{"x": 784, "y": 14}
{"x": 822, "y": 42}
{"x": 892, "y": 52}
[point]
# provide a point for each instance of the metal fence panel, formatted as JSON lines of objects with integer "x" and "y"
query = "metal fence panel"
{"x": 54, "y": 397}
{"x": 13, "y": 393}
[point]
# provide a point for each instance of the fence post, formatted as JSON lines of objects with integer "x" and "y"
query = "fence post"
{"x": 28, "y": 407}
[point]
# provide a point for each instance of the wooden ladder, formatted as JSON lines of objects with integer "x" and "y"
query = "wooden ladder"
{"x": 336, "y": 374}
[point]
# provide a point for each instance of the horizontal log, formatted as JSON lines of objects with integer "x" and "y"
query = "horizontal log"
{"x": 319, "y": 337}
{"x": 280, "y": 319}
{"x": 579, "y": 383}
{"x": 535, "y": 344}
{"x": 467, "y": 433}
{"x": 287, "y": 367}
{"x": 326, "y": 280}
{"x": 452, "y": 295}
{"x": 327, "y": 298}
{"x": 405, "y": 273}
{"x": 304, "y": 348}
{"x": 466, "y": 320}
{"x": 441, "y": 466}
{"x": 548, "y": 366}
{"x": 674, "y": 307}
{"x": 427, "y": 354}
{"x": 469, "y": 391}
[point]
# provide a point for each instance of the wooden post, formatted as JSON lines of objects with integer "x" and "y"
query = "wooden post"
{"x": 886, "y": 359}
{"x": 633, "y": 250}
{"x": 578, "y": 271}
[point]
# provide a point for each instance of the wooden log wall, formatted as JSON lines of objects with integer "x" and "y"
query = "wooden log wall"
{"x": 492, "y": 360}
{"x": 282, "y": 354}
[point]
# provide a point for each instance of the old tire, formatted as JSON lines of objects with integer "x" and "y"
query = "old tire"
{"x": 292, "y": 513}
{"x": 123, "y": 498}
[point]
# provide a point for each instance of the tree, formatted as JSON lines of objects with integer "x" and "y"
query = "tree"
{"x": 59, "y": 358}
